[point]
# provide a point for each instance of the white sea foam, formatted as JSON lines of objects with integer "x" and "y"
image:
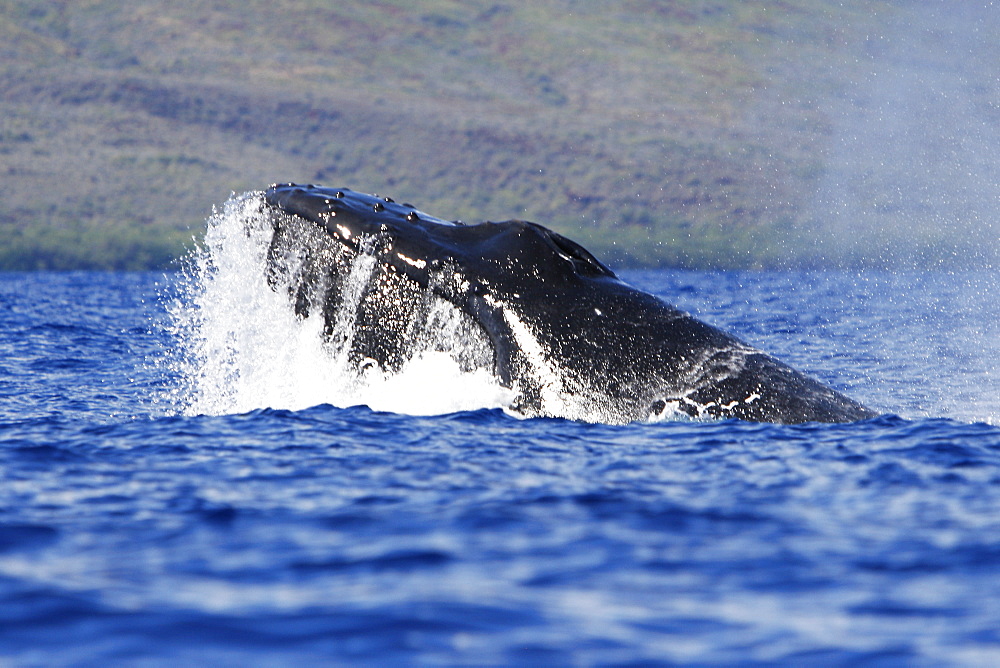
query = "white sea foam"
{"x": 243, "y": 346}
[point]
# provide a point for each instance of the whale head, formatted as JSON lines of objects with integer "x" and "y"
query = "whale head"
{"x": 547, "y": 318}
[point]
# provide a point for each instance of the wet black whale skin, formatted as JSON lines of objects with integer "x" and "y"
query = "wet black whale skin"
{"x": 624, "y": 352}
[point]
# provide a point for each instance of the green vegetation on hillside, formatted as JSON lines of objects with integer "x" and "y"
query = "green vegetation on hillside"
{"x": 654, "y": 132}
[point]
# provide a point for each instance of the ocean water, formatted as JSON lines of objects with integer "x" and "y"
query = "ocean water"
{"x": 186, "y": 481}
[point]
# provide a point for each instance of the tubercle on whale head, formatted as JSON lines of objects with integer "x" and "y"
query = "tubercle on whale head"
{"x": 417, "y": 242}
{"x": 376, "y": 225}
{"x": 317, "y": 203}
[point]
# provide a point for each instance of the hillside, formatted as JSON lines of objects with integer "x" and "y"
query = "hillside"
{"x": 656, "y": 133}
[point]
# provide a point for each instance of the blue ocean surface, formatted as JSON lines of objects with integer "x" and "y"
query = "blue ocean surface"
{"x": 151, "y": 514}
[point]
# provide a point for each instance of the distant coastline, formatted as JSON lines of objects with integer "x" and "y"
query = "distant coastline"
{"x": 655, "y": 134}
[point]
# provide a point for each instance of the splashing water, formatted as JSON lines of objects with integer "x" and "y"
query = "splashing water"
{"x": 243, "y": 347}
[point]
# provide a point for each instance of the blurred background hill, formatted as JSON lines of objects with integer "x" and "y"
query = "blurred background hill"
{"x": 655, "y": 132}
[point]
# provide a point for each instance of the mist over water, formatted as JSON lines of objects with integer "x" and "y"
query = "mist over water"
{"x": 912, "y": 175}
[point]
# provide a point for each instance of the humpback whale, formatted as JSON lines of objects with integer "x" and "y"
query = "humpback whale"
{"x": 554, "y": 325}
